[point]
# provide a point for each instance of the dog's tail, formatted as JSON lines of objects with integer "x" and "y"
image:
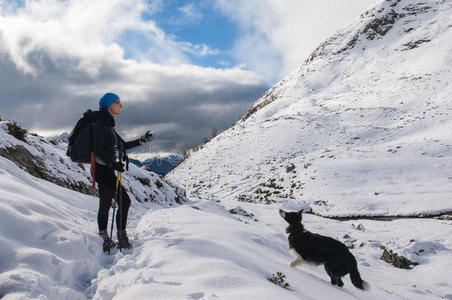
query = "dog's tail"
{"x": 356, "y": 278}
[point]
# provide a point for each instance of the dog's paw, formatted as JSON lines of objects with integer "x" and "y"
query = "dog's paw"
{"x": 293, "y": 263}
{"x": 366, "y": 286}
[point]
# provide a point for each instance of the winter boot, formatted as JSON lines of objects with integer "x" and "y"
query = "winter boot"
{"x": 123, "y": 240}
{"x": 108, "y": 243}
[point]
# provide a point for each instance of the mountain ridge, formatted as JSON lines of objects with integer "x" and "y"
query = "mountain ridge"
{"x": 375, "y": 23}
{"x": 364, "y": 121}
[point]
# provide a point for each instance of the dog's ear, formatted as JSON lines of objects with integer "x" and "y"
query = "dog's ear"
{"x": 299, "y": 213}
{"x": 282, "y": 213}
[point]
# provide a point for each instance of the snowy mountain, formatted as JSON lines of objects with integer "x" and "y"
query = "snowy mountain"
{"x": 160, "y": 165}
{"x": 361, "y": 129}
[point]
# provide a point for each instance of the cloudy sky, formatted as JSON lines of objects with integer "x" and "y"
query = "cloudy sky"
{"x": 180, "y": 67}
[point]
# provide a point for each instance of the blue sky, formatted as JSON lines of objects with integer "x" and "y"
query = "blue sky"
{"x": 199, "y": 24}
{"x": 203, "y": 34}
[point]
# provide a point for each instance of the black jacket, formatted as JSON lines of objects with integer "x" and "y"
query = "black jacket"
{"x": 106, "y": 140}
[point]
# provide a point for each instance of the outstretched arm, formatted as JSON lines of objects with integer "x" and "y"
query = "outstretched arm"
{"x": 132, "y": 144}
{"x": 147, "y": 137}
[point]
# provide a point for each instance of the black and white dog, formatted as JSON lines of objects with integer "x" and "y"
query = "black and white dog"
{"x": 307, "y": 247}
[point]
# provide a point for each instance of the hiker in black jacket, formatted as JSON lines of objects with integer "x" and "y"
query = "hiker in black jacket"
{"x": 107, "y": 145}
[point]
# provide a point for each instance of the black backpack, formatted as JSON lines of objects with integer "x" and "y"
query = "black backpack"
{"x": 81, "y": 138}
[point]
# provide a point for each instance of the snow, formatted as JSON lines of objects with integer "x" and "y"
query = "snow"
{"x": 50, "y": 250}
{"x": 357, "y": 133}
{"x": 47, "y": 247}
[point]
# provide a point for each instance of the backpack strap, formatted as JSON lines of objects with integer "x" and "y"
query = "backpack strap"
{"x": 93, "y": 169}
{"x": 92, "y": 115}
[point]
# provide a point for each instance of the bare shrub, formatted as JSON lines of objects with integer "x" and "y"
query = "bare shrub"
{"x": 279, "y": 279}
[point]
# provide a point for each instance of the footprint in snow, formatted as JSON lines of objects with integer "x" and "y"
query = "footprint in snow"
{"x": 161, "y": 230}
{"x": 196, "y": 296}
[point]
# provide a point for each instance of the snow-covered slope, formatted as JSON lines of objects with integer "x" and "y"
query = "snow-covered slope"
{"x": 49, "y": 246}
{"x": 49, "y": 249}
{"x": 48, "y": 238}
{"x": 361, "y": 129}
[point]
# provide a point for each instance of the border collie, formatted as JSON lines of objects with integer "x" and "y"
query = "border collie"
{"x": 311, "y": 248}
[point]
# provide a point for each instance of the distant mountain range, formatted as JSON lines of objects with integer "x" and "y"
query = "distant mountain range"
{"x": 160, "y": 165}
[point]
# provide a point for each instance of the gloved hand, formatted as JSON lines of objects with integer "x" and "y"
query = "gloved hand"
{"x": 147, "y": 137}
{"x": 118, "y": 166}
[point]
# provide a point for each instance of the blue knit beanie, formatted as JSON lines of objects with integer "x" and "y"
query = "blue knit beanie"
{"x": 107, "y": 100}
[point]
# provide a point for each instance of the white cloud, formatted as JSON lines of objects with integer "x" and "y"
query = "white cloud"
{"x": 191, "y": 12}
{"x": 88, "y": 31}
{"x": 279, "y": 35}
{"x": 187, "y": 14}
{"x": 58, "y": 57}
{"x": 198, "y": 50}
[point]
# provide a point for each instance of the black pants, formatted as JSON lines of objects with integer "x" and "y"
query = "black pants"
{"x": 106, "y": 180}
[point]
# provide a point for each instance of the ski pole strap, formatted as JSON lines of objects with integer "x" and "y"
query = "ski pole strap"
{"x": 118, "y": 180}
{"x": 93, "y": 169}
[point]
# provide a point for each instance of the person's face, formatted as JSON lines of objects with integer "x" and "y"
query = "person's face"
{"x": 115, "y": 108}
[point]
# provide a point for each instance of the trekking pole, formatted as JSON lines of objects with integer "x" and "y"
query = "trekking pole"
{"x": 118, "y": 187}
{"x": 120, "y": 205}
{"x": 120, "y": 212}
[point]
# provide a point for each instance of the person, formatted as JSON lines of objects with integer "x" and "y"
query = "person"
{"x": 107, "y": 144}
